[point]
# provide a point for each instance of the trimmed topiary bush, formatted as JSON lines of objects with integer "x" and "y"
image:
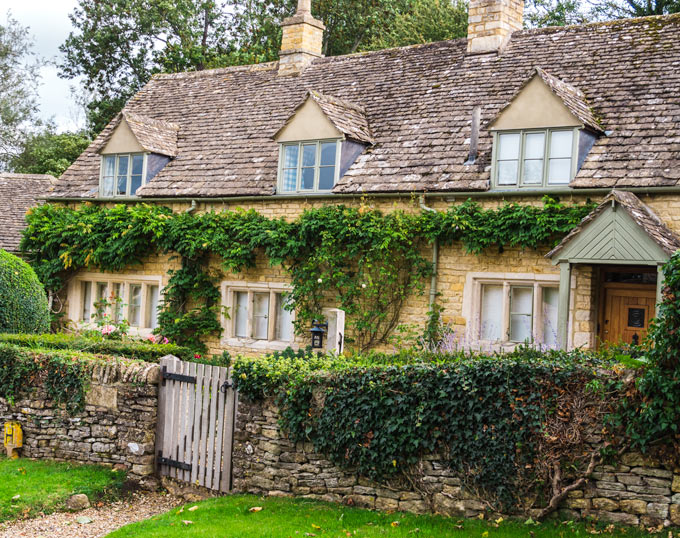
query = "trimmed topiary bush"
{"x": 23, "y": 303}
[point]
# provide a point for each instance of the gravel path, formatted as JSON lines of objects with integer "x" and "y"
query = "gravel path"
{"x": 105, "y": 519}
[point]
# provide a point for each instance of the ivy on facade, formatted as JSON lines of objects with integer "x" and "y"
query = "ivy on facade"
{"x": 362, "y": 260}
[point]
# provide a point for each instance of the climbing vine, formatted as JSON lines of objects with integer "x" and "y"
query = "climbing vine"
{"x": 362, "y": 260}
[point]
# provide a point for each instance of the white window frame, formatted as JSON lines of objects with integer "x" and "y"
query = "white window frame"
{"x": 75, "y": 305}
{"x": 472, "y": 305}
{"x": 229, "y": 338}
{"x": 546, "y": 158}
{"x": 127, "y": 194}
{"x": 299, "y": 144}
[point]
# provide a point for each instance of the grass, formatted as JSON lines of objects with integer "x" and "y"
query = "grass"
{"x": 44, "y": 486}
{"x": 231, "y": 517}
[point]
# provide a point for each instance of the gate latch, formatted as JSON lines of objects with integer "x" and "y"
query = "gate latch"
{"x": 176, "y": 377}
{"x": 226, "y": 386}
{"x": 173, "y": 463}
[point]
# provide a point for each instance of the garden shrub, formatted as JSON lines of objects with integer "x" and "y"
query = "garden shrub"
{"x": 23, "y": 303}
{"x": 130, "y": 349}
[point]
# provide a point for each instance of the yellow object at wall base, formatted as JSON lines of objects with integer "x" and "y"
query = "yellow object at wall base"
{"x": 13, "y": 439}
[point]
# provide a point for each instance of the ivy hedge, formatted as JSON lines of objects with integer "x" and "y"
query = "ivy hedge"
{"x": 363, "y": 260}
{"x": 487, "y": 416}
{"x": 23, "y": 303}
{"x": 130, "y": 349}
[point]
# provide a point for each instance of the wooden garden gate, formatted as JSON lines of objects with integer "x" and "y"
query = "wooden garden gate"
{"x": 196, "y": 413}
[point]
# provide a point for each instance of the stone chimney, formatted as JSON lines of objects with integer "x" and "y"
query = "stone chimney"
{"x": 302, "y": 40}
{"x": 490, "y": 23}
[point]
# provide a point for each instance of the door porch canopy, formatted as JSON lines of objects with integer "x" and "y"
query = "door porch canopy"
{"x": 620, "y": 231}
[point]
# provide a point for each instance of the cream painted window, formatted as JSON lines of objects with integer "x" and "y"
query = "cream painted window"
{"x": 515, "y": 311}
{"x": 121, "y": 298}
{"x": 534, "y": 158}
{"x": 257, "y": 312}
{"x": 309, "y": 166}
{"x": 122, "y": 174}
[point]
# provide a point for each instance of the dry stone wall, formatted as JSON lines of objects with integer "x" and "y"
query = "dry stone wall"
{"x": 639, "y": 490}
{"x": 117, "y": 426}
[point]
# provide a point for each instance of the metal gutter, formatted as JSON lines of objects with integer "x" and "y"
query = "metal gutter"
{"x": 453, "y": 195}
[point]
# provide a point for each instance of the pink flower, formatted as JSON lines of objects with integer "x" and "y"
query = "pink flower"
{"x": 108, "y": 329}
{"x": 151, "y": 338}
{"x": 165, "y": 340}
{"x": 197, "y": 356}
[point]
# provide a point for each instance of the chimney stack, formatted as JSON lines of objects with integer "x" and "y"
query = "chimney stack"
{"x": 302, "y": 40}
{"x": 490, "y": 23}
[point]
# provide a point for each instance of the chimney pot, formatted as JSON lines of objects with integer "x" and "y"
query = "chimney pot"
{"x": 302, "y": 40}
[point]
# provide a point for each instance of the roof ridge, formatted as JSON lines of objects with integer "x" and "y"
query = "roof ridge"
{"x": 615, "y": 22}
{"x": 14, "y": 175}
{"x": 152, "y": 121}
{"x": 338, "y": 101}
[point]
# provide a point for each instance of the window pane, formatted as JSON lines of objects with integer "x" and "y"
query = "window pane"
{"x": 284, "y": 320}
{"x": 135, "y": 183}
{"x": 533, "y": 172}
{"x": 534, "y": 145}
{"x": 261, "y": 316}
{"x": 550, "y": 296}
{"x": 107, "y": 186}
{"x": 86, "y": 297}
{"x": 290, "y": 157}
{"x": 492, "y": 312}
{"x": 241, "y": 314}
{"x": 326, "y": 178}
{"x": 507, "y": 172}
{"x": 135, "y": 305}
{"x": 508, "y": 146}
{"x": 328, "y": 153}
{"x": 110, "y": 165}
{"x": 308, "y": 178}
{"x": 152, "y": 297}
{"x": 137, "y": 164}
{"x": 117, "y": 300}
{"x": 309, "y": 155}
{"x": 122, "y": 185}
{"x": 561, "y": 144}
{"x": 290, "y": 179}
{"x": 108, "y": 175}
{"x": 123, "y": 165}
{"x": 101, "y": 297}
{"x": 559, "y": 171}
{"x": 521, "y": 308}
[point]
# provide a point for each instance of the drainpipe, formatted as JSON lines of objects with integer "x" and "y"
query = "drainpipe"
{"x": 435, "y": 256}
{"x": 192, "y": 208}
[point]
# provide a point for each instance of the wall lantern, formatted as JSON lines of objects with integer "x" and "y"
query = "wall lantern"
{"x": 318, "y": 330}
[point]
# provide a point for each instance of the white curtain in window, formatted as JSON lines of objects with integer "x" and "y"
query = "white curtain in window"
{"x": 153, "y": 297}
{"x": 492, "y": 312}
{"x": 86, "y": 294}
{"x": 241, "y": 314}
{"x": 550, "y": 300}
{"x": 135, "y": 306}
{"x": 261, "y": 316}
{"x": 508, "y": 158}
{"x": 521, "y": 308}
{"x": 559, "y": 170}
{"x": 284, "y": 320}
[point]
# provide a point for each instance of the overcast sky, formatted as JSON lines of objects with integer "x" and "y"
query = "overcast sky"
{"x": 49, "y": 24}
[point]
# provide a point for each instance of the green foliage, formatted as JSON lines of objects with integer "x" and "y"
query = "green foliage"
{"x": 130, "y": 349}
{"x": 484, "y": 414}
{"x": 48, "y": 152}
{"x": 23, "y": 303}
{"x": 362, "y": 260}
{"x": 653, "y": 413}
{"x": 426, "y": 21}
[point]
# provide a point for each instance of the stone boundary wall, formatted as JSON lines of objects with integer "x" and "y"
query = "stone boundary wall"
{"x": 116, "y": 428}
{"x": 638, "y": 491}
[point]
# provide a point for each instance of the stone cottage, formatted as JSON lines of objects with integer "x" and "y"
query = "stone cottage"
{"x": 580, "y": 112}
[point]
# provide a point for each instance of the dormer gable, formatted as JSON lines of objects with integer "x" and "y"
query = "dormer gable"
{"x": 544, "y": 101}
{"x": 133, "y": 133}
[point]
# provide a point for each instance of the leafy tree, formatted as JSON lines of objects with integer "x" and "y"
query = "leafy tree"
{"x": 541, "y": 13}
{"x": 48, "y": 152}
{"x": 117, "y": 45}
{"x": 18, "y": 86}
{"x": 23, "y": 302}
{"x": 621, "y": 9}
{"x": 424, "y": 22}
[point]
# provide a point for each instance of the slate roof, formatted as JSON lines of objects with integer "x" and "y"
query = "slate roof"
{"x": 418, "y": 102}
{"x": 18, "y": 193}
{"x": 155, "y": 136}
{"x": 348, "y": 118}
{"x": 641, "y": 214}
{"x": 573, "y": 98}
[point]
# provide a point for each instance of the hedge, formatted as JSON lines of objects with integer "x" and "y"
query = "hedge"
{"x": 23, "y": 303}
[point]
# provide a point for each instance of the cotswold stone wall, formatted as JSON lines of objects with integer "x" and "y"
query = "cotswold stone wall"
{"x": 638, "y": 491}
{"x": 117, "y": 426}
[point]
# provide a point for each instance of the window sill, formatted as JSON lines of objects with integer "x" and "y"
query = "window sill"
{"x": 251, "y": 343}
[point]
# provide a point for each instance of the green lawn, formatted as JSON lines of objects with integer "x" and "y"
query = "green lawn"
{"x": 44, "y": 486}
{"x": 231, "y": 517}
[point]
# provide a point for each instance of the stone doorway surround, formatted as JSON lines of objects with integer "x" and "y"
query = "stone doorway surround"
{"x": 621, "y": 231}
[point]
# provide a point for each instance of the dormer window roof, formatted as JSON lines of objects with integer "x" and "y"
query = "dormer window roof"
{"x": 134, "y": 132}
{"x": 318, "y": 142}
{"x": 542, "y": 136}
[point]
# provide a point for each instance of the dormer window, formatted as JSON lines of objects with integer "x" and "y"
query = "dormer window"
{"x": 535, "y": 158}
{"x": 309, "y": 166}
{"x": 122, "y": 174}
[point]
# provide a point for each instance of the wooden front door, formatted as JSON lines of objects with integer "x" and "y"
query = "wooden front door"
{"x": 627, "y": 311}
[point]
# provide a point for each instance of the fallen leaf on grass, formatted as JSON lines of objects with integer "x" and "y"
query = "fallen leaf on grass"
{"x": 187, "y": 522}
{"x": 255, "y": 509}
{"x": 195, "y": 507}
{"x": 317, "y": 527}
{"x": 16, "y": 497}
{"x": 310, "y": 534}
{"x": 394, "y": 524}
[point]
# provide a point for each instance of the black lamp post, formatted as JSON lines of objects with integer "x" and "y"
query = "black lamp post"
{"x": 318, "y": 330}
